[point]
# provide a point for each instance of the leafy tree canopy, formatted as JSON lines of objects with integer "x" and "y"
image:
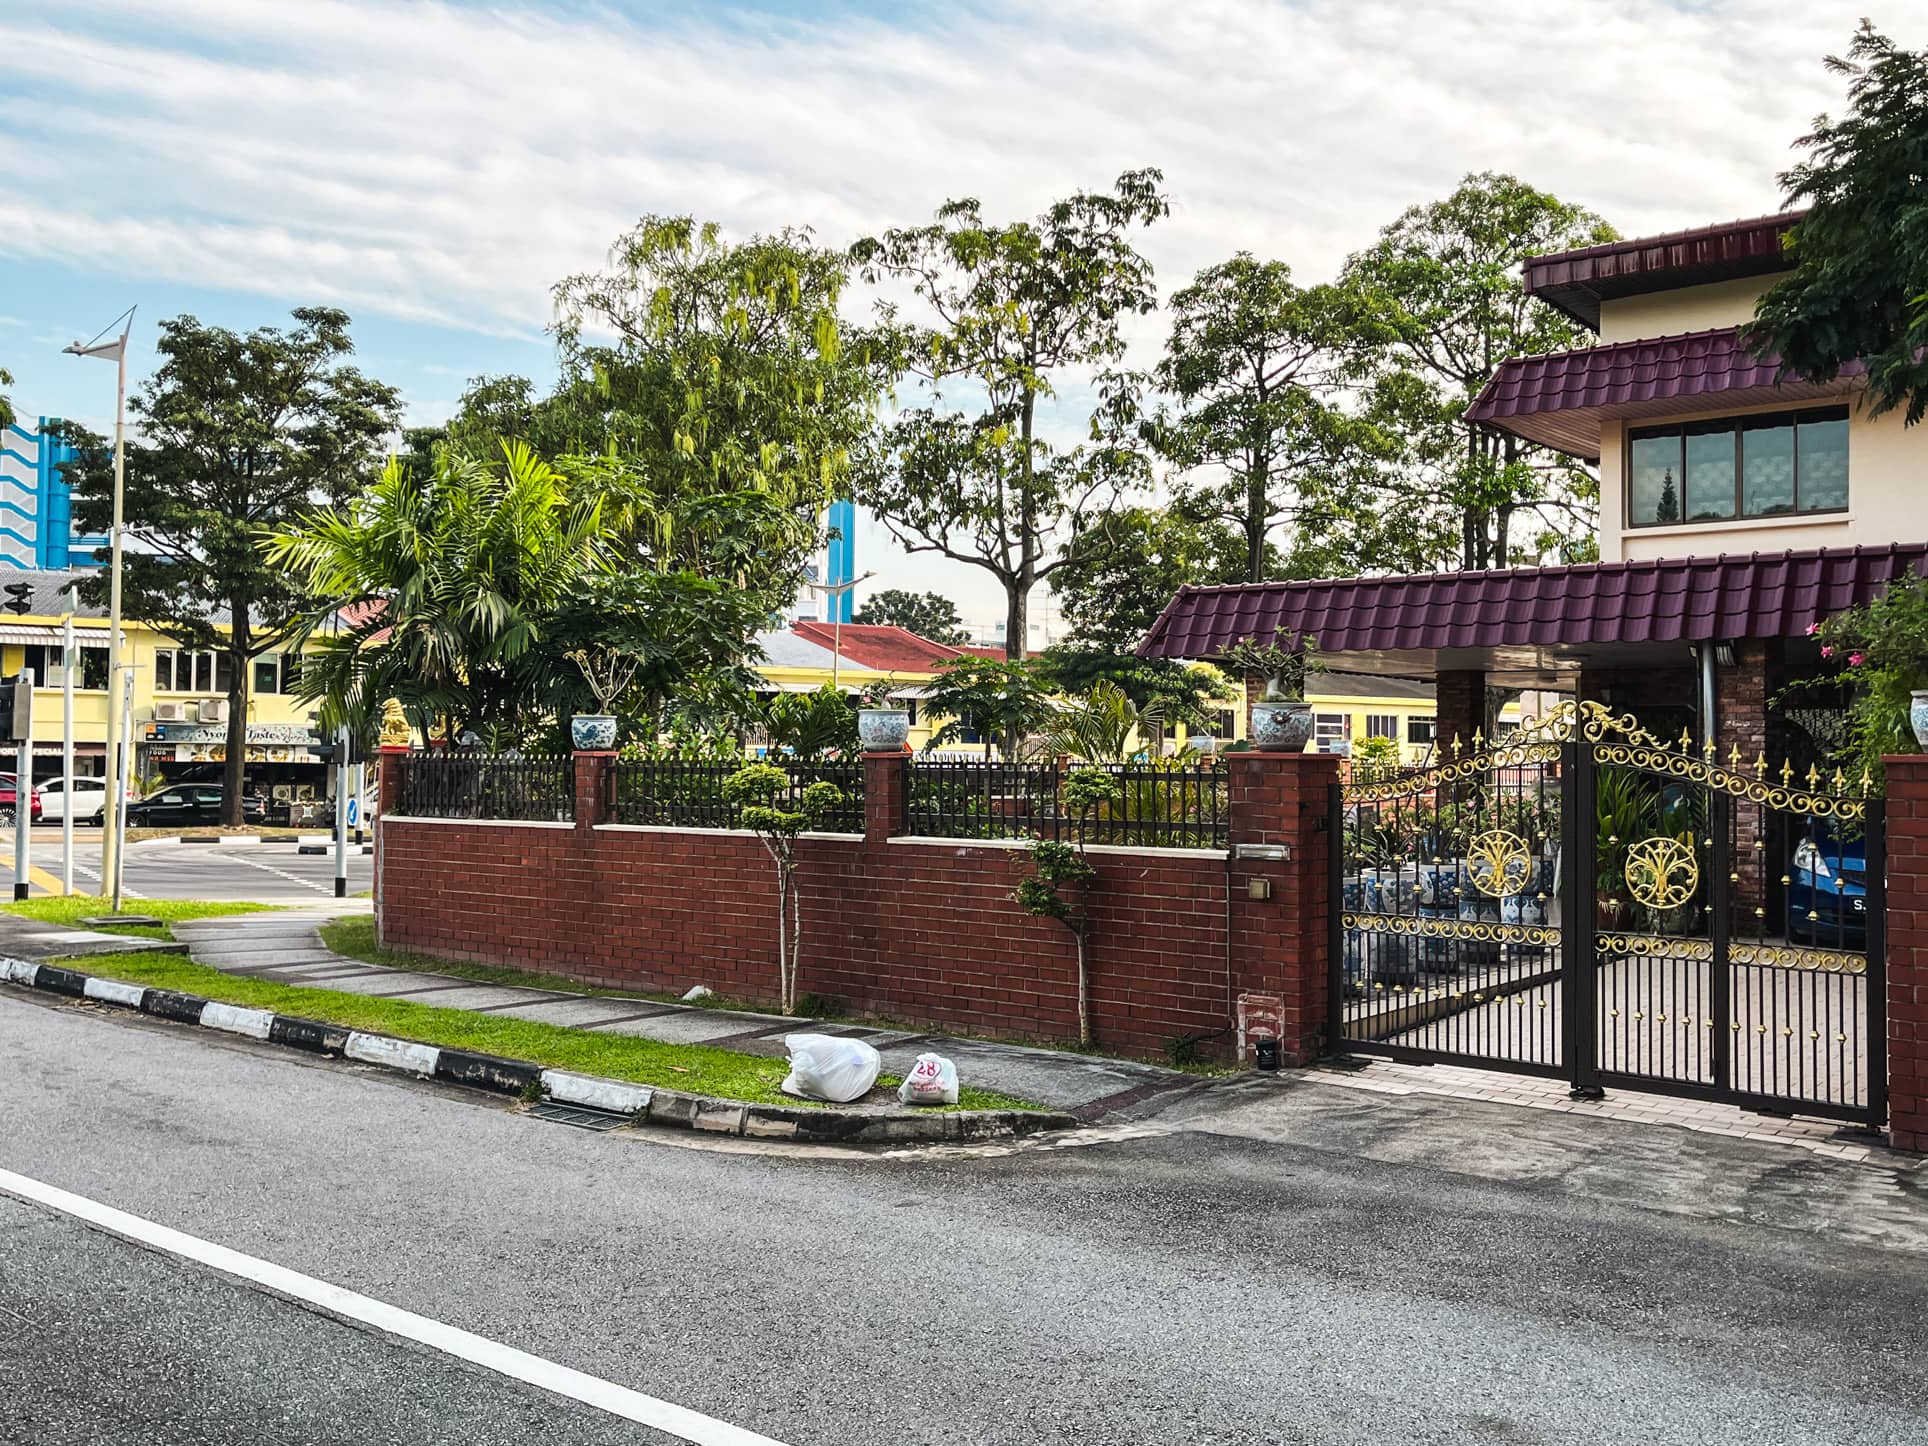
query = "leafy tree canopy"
{"x": 1859, "y": 287}
{"x": 235, "y": 435}
{"x": 928, "y": 614}
{"x": 6, "y": 402}
{"x": 1259, "y": 367}
{"x": 1442, "y": 286}
{"x": 1011, "y": 309}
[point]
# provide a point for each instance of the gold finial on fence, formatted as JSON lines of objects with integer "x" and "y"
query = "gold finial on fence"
{"x": 1478, "y": 741}
{"x": 1837, "y": 784}
{"x": 1686, "y": 741}
{"x": 1456, "y": 745}
{"x": 1867, "y": 782}
{"x": 1734, "y": 758}
{"x": 1760, "y": 764}
{"x": 1707, "y": 749}
{"x": 1787, "y": 772}
{"x": 1813, "y": 776}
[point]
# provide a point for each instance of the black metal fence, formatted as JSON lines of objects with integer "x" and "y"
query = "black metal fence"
{"x": 486, "y": 785}
{"x": 1155, "y": 807}
{"x": 676, "y": 794}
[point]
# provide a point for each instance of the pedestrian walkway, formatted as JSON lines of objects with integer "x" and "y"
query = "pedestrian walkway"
{"x": 1386, "y": 1076}
{"x": 24, "y": 938}
{"x": 286, "y": 947}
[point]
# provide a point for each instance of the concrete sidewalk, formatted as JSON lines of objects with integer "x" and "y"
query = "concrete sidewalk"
{"x": 286, "y": 947}
{"x": 23, "y": 938}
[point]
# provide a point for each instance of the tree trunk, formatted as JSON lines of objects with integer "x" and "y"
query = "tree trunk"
{"x": 234, "y": 767}
{"x": 1502, "y": 524}
{"x": 783, "y": 937}
{"x": 1017, "y": 618}
{"x": 1084, "y": 992}
{"x": 796, "y": 941}
{"x": 1255, "y": 519}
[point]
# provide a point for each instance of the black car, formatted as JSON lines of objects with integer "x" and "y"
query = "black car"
{"x": 190, "y": 803}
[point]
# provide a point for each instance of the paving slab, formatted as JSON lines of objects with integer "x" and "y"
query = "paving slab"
{"x": 691, "y": 1026}
{"x": 463, "y": 995}
{"x": 579, "y": 1011}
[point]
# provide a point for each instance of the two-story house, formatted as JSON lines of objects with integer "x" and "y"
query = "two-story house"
{"x": 1736, "y": 509}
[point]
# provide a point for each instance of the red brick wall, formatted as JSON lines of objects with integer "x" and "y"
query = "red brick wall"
{"x": 1460, "y": 703}
{"x": 1908, "y": 951}
{"x": 925, "y": 933}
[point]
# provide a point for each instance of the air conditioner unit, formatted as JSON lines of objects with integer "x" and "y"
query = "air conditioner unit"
{"x": 170, "y": 712}
{"x": 212, "y": 710}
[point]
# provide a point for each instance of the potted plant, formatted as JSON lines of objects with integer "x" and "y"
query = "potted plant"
{"x": 608, "y": 672}
{"x": 882, "y": 726}
{"x": 1281, "y": 719}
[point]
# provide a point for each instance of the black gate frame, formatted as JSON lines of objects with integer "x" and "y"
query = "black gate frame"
{"x": 1581, "y": 729}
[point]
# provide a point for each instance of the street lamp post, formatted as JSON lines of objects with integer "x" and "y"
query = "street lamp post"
{"x": 112, "y": 813}
{"x": 836, "y": 590}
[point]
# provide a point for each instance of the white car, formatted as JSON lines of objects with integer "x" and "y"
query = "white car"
{"x": 90, "y": 799}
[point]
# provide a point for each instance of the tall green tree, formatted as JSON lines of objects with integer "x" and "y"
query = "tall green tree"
{"x": 1442, "y": 286}
{"x": 1119, "y": 575}
{"x": 1013, "y": 310}
{"x": 1258, "y": 366}
{"x": 234, "y": 436}
{"x": 6, "y": 402}
{"x": 1859, "y": 287}
{"x": 928, "y": 614}
{"x": 723, "y": 377}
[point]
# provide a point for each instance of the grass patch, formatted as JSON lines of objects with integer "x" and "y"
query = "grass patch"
{"x": 696, "y": 1068}
{"x": 68, "y": 910}
{"x": 354, "y": 935}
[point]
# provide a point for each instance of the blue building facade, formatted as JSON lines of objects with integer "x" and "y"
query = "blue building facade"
{"x": 840, "y": 561}
{"x": 36, "y": 503}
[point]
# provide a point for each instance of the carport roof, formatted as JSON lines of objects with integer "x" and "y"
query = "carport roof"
{"x": 1673, "y": 600}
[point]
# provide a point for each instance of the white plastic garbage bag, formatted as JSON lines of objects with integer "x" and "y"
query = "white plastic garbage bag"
{"x": 931, "y": 1081}
{"x": 826, "y": 1067}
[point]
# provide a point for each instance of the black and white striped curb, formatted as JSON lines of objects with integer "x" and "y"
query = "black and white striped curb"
{"x": 868, "y": 1124}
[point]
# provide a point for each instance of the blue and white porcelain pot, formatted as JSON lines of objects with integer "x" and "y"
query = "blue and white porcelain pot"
{"x": 883, "y": 730}
{"x": 1281, "y": 727}
{"x": 593, "y": 732}
{"x": 1918, "y": 715}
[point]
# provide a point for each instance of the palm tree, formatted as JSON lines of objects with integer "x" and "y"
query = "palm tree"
{"x": 438, "y": 581}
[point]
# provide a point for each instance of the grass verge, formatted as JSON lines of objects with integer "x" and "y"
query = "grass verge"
{"x": 695, "y": 1068}
{"x": 69, "y": 909}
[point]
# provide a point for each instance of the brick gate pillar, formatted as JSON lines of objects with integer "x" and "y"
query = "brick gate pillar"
{"x": 592, "y": 787}
{"x": 388, "y": 794}
{"x": 1459, "y": 697}
{"x": 1907, "y": 953}
{"x": 1279, "y": 833}
{"x": 886, "y": 777}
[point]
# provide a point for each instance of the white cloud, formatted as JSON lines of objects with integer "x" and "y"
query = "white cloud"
{"x": 444, "y": 163}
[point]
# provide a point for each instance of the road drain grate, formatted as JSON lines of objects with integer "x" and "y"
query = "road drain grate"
{"x": 583, "y": 1117}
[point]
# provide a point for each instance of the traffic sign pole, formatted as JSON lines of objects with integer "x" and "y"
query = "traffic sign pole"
{"x": 341, "y": 813}
{"x": 23, "y": 783}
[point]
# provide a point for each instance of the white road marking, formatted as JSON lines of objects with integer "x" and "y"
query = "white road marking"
{"x": 327, "y": 888}
{"x": 678, "y": 1421}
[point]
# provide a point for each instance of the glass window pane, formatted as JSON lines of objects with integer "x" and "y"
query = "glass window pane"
{"x": 164, "y": 670}
{"x": 93, "y": 668}
{"x": 267, "y": 677}
{"x": 1824, "y": 465}
{"x": 1767, "y": 470}
{"x": 1653, "y": 483}
{"x": 1710, "y": 475}
{"x": 223, "y": 672}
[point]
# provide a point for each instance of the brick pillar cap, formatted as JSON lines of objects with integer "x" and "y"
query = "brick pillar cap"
{"x": 595, "y": 753}
{"x": 887, "y": 752}
{"x": 394, "y": 748}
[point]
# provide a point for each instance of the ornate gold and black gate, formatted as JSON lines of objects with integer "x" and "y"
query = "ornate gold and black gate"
{"x": 1588, "y": 901}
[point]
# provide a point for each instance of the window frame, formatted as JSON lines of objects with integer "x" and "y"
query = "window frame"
{"x": 1739, "y": 426}
{"x": 1390, "y": 722}
{"x": 1414, "y": 721}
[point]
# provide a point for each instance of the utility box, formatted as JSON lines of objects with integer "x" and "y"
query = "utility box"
{"x": 22, "y": 706}
{"x": 1260, "y": 1016}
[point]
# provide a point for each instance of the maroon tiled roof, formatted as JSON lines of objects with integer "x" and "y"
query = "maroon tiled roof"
{"x": 1559, "y": 399}
{"x": 1576, "y": 281}
{"x": 1689, "y": 599}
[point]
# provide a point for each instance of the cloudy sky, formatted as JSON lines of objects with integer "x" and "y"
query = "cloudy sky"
{"x": 433, "y": 168}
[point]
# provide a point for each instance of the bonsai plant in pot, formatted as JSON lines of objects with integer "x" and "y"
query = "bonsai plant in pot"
{"x": 882, "y": 726}
{"x": 608, "y": 672}
{"x": 1281, "y": 719}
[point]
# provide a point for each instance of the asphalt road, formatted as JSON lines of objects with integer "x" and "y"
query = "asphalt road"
{"x": 1301, "y": 1268}
{"x": 272, "y": 873}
